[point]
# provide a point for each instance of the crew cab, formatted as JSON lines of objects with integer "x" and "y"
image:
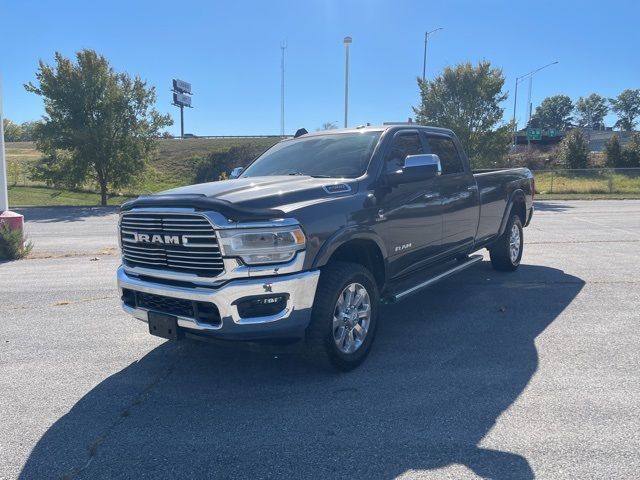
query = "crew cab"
{"x": 314, "y": 234}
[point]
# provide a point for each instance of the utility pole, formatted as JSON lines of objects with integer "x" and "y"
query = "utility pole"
{"x": 347, "y": 42}
{"x": 424, "y": 60}
{"x": 283, "y": 47}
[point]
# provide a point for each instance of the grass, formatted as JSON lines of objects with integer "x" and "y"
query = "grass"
{"x": 43, "y": 196}
{"x": 588, "y": 182}
{"x": 173, "y": 163}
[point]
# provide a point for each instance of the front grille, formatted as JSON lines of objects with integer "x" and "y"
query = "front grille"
{"x": 180, "y": 242}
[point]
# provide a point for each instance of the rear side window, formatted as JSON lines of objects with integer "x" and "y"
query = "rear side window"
{"x": 448, "y": 153}
{"x": 404, "y": 144}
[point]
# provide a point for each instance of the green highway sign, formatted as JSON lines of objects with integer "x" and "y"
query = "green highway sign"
{"x": 534, "y": 134}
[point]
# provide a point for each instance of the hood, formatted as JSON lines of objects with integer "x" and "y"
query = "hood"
{"x": 271, "y": 192}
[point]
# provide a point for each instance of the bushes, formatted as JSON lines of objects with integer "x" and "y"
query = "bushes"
{"x": 573, "y": 150}
{"x": 12, "y": 243}
{"x": 623, "y": 157}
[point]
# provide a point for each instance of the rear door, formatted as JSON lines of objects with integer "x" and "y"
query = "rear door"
{"x": 409, "y": 218}
{"x": 459, "y": 195}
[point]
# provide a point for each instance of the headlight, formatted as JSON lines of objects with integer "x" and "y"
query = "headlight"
{"x": 262, "y": 245}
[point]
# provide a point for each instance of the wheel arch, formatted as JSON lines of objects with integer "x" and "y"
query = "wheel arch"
{"x": 362, "y": 247}
{"x": 517, "y": 204}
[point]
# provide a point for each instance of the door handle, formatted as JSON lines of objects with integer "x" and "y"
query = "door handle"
{"x": 429, "y": 196}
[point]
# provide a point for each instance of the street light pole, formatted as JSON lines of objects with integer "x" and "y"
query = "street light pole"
{"x": 424, "y": 60}
{"x": 283, "y": 46}
{"x": 515, "y": 96}
{"x": 347, "y": 42}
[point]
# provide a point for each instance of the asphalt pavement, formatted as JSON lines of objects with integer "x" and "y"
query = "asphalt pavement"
{"x": 532, "y": 374}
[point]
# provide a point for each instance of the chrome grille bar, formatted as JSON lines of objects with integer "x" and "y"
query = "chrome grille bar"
{"x": 180, "y": 242}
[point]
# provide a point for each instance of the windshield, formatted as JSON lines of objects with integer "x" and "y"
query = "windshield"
{"x": 334, "y": 155}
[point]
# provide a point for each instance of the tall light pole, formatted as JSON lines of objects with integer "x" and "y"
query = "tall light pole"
{"x": 424, "y": 60}
{"x": 347, "y": 42}
{"x": 515, "y": 96}
{"x": 283, "y": 47}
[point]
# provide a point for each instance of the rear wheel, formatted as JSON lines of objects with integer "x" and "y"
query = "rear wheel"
{"x": 506, "y": 253}
{"x": 344, "y": 317}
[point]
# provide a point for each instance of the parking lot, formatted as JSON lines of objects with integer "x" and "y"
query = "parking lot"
{"x": 533, "y": 374}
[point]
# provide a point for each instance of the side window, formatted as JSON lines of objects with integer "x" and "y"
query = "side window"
{"x": 448, "y": 153}
{"x": 403, "y": 145}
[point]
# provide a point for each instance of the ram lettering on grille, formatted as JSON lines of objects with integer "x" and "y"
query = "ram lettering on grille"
{"x": 179, "y": 242}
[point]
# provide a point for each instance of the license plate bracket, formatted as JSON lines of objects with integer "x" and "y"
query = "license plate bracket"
{"x": 163, "y": 325}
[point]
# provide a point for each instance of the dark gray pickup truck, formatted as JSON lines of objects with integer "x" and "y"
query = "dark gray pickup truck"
{"x": 314, "y": 234}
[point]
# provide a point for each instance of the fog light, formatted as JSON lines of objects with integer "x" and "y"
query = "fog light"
{"x": 261, "y": 305}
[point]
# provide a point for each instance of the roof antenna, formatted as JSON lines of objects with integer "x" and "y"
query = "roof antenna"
{"x": 300, "y": 132}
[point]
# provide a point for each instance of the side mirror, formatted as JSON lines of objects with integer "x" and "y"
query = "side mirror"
{"x": 417, "y": 168}
{"x": 235, "y": 173}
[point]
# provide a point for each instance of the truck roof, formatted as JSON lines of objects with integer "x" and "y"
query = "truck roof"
{"x": 378, "y": 128}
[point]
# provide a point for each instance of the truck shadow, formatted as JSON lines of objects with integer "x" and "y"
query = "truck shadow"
{"x": 446, "y": 364}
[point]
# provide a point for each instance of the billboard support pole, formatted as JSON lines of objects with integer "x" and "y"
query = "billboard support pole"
{"x": 181, "y": 121}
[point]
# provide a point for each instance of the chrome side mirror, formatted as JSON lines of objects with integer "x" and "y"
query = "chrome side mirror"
{"x": 235, "y": 173}
{"x": 417, "y": 168}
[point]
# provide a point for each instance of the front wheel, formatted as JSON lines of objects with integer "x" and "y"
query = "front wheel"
{"x": 506, "y": 253}
{"x": 344, "y": 317}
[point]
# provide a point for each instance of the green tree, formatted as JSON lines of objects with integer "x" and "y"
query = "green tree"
{"x": 591, "y": 110}
{"x": 28, "y": 130}
{"x": 555, "y": 112}
{"x": 573, "y": 150}
{"x": 466, "y": 99}
{"x": 631, "y": 152}
{"x": 12, "y": 131}
{"x": 613, "y": 152}
{"x": 99, "y": 125}
{"x": 327, "y": 126}
{"x": 627, "y": 108}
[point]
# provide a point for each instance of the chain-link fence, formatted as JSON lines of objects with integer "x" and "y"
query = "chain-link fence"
{"x": 589, "y": 181}
{"x": 586, "y": 181}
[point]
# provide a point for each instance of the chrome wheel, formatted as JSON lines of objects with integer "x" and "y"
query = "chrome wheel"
{"x": 514, "y": 244}
{"x": 351, "y": 318}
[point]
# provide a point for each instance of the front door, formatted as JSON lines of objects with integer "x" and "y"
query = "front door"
{"x": 409, "y": 217}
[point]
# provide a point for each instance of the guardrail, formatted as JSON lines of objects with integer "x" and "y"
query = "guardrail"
{"x": 589, "y": 181}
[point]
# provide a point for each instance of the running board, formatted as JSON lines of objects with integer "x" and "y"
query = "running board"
{"x": 396, "y": 297}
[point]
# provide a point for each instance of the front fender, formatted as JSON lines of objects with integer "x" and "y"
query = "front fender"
{"x": 343, "y": 236}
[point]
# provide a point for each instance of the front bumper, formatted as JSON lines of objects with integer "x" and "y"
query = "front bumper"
{"x": 288, "y": 323}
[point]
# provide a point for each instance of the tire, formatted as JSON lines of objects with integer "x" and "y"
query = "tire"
{"x": 332, "y": 328}
{"x": 506, "y": 253}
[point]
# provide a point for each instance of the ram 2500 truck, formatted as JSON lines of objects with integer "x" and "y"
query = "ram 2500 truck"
{"x": 314, "y": 234}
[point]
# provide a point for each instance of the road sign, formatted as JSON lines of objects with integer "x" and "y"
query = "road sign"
{"x": 552, "y": 132}
{"x": 181, "y": 99}
{"x": 181, "y": 86}
{"x": 534, "y": 134}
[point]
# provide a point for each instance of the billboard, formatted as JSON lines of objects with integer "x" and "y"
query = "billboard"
{"x": 181, "y": 99}
{"x": 181, "y": 86}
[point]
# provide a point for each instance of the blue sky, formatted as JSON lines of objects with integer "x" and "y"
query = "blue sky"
{"x": 230, "y": 52}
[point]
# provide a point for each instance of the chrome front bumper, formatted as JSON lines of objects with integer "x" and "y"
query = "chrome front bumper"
{"x": 290, "y": 322}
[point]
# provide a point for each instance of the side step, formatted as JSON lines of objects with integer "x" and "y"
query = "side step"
{"x": 401, "y": 295}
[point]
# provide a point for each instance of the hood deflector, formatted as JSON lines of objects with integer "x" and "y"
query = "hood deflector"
{"x": 202, "y": 202}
